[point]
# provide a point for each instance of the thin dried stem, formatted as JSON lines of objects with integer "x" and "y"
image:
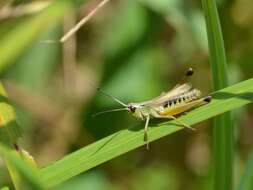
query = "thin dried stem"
{"x": 83, "y": 21}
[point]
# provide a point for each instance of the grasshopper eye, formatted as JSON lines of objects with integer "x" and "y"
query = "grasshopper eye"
{"x": 132, "y": 108}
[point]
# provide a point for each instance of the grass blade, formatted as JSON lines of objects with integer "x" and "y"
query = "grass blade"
{"x": 4, "y": 188}
{"x": 26, "y": 176}
{"x": 10, "y": 131}
{"x": 246, "y": 181}
{"x": 129, "y": 139}
{"x": 223, "y": 128}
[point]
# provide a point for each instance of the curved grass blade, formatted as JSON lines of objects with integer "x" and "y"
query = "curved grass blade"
{"x": 125, "y": 140}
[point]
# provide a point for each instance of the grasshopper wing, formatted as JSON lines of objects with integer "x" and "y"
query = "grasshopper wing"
{"x": 166, "y": 96}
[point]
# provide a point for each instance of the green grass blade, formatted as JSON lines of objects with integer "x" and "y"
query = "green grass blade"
{"x": 129, "y": 139}
{"x": 10, "y": 131}
{"x": 223, "y": 140}
{"x": 246, "y": 181}
{"x": 25, "y": 176}
{"x": 18, "y": 40}
{"x": 5, "y": 188}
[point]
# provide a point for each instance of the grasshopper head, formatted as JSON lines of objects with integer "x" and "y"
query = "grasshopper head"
{"x": 135, "y": 109}
{"x": 132, "y": 108}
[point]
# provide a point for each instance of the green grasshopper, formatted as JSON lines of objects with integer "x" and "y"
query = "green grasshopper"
{"x": 180, "y": 99}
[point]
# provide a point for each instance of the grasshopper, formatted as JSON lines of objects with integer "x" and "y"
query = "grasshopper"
{"x": 180, "y": 99}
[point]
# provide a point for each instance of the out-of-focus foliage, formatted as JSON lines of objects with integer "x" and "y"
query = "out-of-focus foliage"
{"x": 134, "y": 50}
{"x": 246, "y": 181}
{"x": 9, "y": 129}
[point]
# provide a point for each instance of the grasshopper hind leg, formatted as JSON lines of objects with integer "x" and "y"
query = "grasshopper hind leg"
{"x": 179, "y": 122}
{"x": 182, "y": 123}
{"x": 146, "y": 132}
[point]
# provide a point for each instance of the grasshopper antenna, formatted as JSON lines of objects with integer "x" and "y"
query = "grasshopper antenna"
{"x": 112, "y": 97}
{"x": 108, "y": 111}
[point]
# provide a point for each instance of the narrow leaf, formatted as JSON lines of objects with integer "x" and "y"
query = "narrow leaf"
{"x": 223, "y": 128}
{"x": 9, "y": 129}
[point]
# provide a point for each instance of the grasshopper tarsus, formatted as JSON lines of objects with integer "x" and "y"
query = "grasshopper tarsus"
{"x": 187, "y": 126}
{"x": 146, "y": 141}
{"x": 191, "y": 128}
{"x": 147, "y": 146}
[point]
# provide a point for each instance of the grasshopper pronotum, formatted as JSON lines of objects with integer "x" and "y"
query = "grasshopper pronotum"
{"x": 180, "y": 99}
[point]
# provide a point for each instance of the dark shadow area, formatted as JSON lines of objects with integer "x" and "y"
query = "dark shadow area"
{"x": 4, "y": 99}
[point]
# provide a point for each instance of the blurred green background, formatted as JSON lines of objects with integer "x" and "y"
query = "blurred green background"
{"x": 134, "y": 50}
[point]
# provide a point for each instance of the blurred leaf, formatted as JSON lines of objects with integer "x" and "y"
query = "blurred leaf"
{"x": 22, "y": 36}
{"x": 41, "y": 59}
{"x": 5, "y": 188}
{"x": 24, "y": 175}
{"x": 246, "y": 181}
{"x": 10, "y": 131}
{"x": 136, "y": 28}
{"x": 125, "y": 140}
{"x": 223, "y": 131}
{"x": 94, "y": 180}
{"x": 188, "y": 22}
{"x": 156, "y": 176}
{"x": 127, "y": 29}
